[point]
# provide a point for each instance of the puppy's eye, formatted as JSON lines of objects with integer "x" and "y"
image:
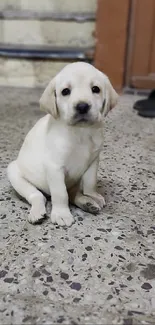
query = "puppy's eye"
{"x": 66, "y": 92}
{"x": 96, "y": 90}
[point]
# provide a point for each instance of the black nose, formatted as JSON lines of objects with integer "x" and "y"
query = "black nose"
{"x": 82, "y": 108}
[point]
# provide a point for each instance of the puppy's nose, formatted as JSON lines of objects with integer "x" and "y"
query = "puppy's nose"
{"x": 82, "y": 108}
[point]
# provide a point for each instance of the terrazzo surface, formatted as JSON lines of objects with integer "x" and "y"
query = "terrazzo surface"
{"x": 102, "y": 269}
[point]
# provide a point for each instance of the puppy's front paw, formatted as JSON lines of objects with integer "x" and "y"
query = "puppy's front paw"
{"x": 36, "y": 214}
{"x": 62, "y": 217}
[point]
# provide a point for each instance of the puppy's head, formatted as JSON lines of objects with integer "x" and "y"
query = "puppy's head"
{"x": 79, "y": 94}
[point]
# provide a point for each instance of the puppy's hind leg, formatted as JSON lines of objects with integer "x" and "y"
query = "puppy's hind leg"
{"x": 84, "y": 202}
{"x": 29, "y": 192}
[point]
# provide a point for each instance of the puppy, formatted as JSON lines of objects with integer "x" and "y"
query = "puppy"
{"x": 60, "y": 155}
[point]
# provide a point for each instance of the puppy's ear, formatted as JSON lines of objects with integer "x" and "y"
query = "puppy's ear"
{"x": 48, "y": 100}
{"x": 111, "y": 96}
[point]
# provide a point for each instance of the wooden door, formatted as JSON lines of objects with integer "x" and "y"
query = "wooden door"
{"x": 125, "y": 42}
{"x": 140, "y": 70}
{"x": 111, "y": 39}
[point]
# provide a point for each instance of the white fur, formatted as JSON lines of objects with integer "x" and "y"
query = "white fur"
{"x": 60, "y": 154}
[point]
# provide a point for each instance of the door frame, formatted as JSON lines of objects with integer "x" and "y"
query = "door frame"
{"x": 112, "y": 25}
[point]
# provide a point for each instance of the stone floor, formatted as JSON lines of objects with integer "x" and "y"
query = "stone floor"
{"x": 102, "y": 269}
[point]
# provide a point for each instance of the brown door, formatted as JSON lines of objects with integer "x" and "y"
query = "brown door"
{"x": 125, "y": 42}
{"x": 140, "y": 71}
{"x": 111, "y": 39}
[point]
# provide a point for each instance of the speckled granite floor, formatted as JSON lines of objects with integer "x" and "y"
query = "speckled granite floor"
{"x": 102, "y": 269}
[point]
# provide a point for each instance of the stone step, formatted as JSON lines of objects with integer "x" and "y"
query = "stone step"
{"x": 38, "y": 38}
{"x": 28, "y": 73}
{"x": 61, "y": 6}
{"x": 47, "y": 32}
{"x": 22, "y": 72}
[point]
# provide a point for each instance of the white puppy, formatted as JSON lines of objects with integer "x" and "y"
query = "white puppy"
{"x": 60, "y": 155}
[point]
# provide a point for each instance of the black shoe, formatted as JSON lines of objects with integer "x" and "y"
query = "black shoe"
{"x": 146, "y": 107}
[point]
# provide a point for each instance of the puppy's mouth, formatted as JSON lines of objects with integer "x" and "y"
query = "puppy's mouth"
{"x": 82, "y": 118}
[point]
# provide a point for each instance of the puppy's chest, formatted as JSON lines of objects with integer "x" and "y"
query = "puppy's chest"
{"x": 81, "y": 154}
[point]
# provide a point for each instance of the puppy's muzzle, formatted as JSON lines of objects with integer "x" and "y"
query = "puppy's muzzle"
{"x": 82, "y": 108}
